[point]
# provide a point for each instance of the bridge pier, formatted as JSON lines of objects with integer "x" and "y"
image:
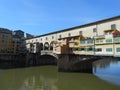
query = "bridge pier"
{"x": 75, "y": 63}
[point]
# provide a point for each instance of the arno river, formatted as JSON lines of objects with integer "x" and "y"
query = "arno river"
{"x": 106, "y": 76}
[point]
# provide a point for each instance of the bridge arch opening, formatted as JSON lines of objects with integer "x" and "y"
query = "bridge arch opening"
{"x": 46, "y": 46}
{"x": 47, "y": 60}
{"x": 41, "y": 46}
{"x": 31, "y": 47}
{"x": 51, "y": 45}
{"x": 37, "y": 47}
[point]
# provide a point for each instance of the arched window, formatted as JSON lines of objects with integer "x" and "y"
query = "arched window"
{"x": 51, "y": 45}
{"x": 46, "y": 46}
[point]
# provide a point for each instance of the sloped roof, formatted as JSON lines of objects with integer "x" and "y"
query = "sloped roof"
{"x": 4, "y": 30}
{"x": 80, "y": 26}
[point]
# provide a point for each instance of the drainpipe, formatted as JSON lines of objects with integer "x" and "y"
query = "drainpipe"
{"x": 113, "y": 47}
{"x": 94, "y": 37}
{"x": 94, "y": 45}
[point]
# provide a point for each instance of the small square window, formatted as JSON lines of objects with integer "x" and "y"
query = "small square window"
{"x": 80, "y": 32}
{"x": 60, "y": 36}
{"x": 94, "y": 30}
{"x": 113, "y": 26}
{"x": 69, "y": 34}
{"x": 46, "y": 38}
{"x": 52, "y": 37}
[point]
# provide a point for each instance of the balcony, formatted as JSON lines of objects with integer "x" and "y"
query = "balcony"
{"x": 99, "y": 37}
{"x": 107, "y": 41}
{"x": 100, "y": 41}
{"x": 90, "y": 41}
{"x": 83, "y": 42}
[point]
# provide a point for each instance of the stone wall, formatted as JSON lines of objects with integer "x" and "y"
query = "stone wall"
{"x": 75, "y": 63}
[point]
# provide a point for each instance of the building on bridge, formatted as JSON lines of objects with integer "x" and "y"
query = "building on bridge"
{"x": 96, "y": 38}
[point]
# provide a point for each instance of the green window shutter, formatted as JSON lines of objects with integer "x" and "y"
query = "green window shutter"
{"x": 93, "y": 49}
{"x": 108, "y": 49}
{"x": 96, "y": 50}
{"x": 118, "y": 49}
{"x": 90, "y": 41}
{"x": 86, "y": 49}
{"x": 79, "y": 49}
{"x": 82, "y": 42}
{"x": 108, "y": 40}
{"x": 117, "y": 39}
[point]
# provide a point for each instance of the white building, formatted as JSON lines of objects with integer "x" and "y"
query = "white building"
{"x": 101, "y": 31}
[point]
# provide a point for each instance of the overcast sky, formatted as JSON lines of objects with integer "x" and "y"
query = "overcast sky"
{"x": 39, "y": 17}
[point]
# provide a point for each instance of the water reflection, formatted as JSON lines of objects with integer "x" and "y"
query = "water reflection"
{"x": 108, "y": 69}
{"x": 47, "y": 78}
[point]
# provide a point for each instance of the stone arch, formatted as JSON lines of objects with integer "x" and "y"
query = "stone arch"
{"x": 46, "y": 46}
{"x": 51, "y": 54}
{"x": 32, "y": 47}
{"x": 41, "y": 46}
{"x": 48, "y": 59}
{"x": 51, "y": 45}
{"x": 37, "y": 47}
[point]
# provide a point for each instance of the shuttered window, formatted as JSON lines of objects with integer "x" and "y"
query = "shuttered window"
{"x": 108, "y": 49}
{"x": 118, "y": 49}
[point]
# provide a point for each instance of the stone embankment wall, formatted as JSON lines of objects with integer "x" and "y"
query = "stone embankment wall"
{"x": 12, "y": 61}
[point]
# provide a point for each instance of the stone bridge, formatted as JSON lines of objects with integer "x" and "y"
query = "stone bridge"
{"x": 66, "y": 62}
{"x": 47, "y": 52}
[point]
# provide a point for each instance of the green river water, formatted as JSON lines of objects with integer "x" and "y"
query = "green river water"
{"x": 48, "y": 78}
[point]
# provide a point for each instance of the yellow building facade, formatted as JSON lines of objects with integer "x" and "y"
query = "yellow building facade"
{"x": 5, "y": 41}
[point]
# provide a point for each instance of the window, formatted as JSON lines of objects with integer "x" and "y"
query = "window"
{"x": 82, "y": 49}
{"x": 41, "y": 39}
{"x": 98, "y": 50}
{"x": 90, "y": 41}
{"x": 75, "y": 49}
{"x": 3, "y": 35}
{"x": 76, "y": 43}
{"x": 46, "y": 38}
{"x": 118, "y": 49}
{"x": 69, "y": 34}
{"x": 3, "y": 40}
{"x": 82, "y": 42}
{"x": 79, "y": 49}
{"x": 108, "y": 49}
{"x": 86, "y": 49}
{"x": 80, "y": 32}
{"x": 52, "y": 37}
{"x": 117, "y": 39}
{"x": 113, "y": 26}
{"x": 60, "y": 36}
{"x": 108, "y": 40}
{"x": 94, "y": 30}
